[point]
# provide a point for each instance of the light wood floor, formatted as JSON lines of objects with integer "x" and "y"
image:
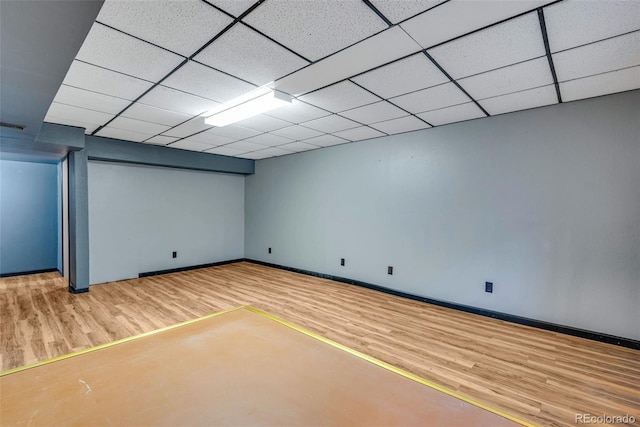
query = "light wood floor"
{"x": 540, "y": 376}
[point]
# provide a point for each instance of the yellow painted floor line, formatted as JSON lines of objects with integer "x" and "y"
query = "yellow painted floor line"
{"x": 112, "y": 343}
{"x": 351, "y": 351}
{"x": 390, "y": 367}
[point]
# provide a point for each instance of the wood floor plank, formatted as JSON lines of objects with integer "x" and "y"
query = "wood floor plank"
{"x": 540, "y": 376}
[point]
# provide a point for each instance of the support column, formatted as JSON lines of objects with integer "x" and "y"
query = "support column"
{"x": 78, "y": 223}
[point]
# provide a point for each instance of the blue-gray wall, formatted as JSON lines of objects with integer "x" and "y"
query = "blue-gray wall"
{"x": 139, "y": 215}
{"x": 545, "y": 203}
{"x": 28, "y": 216}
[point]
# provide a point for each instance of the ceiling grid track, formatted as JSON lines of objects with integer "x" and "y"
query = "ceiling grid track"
{"x": 214, "y": 38}
{"x": 545, "y": 38}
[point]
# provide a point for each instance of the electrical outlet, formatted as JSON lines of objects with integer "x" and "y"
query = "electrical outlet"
{"x": 269, "y": 250}
{"x": 174, "y": 254}
{"x": 488, "y": 287}
{"x": 390, "y": 270}
{"x": 342, "y": 262}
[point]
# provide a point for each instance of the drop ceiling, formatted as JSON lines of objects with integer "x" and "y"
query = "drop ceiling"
{"x": 357, "y": 69}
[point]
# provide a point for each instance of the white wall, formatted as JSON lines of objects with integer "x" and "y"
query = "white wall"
{"x": 545, "y": 203}
{"x": 139, "y": 215}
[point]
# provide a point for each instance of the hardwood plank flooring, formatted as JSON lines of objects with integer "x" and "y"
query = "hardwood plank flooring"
{"x": 539, "y": 376}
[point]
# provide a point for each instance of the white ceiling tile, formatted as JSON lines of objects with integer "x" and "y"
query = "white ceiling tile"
{"x": 233, "y": 132}
{"x": 175, "y": 100}
{"x": 234, "y": 7}
{"x": 404, "y": 76}
{"x": 263, "y": 123}
{"x": 298, "y": 112}
{"x": 298, "y": 146}
{"x": 90, "y": 100}
{"x": 513, "y": 78}
{"x": 226, "y": 151}
{"x": 325, "y": 140}
{"x": 160, "y": 140}
{"x": 246, "y": 146}
{"x": 118, "y": 52}
{"x": 574, "y": 23}
{"x": 63, "y": 111}
{"x": 607, "y": 55}
{"x": 89, "y": 127}
{"x": 140, "y": 126}
{"x": 297, "y": 132}
{"x": 210, "y": 139}
{"x": 431, "y": 99}
{"x": 399, "y": 10}
{"x": 513, "y": 41}
{"x": 269, "y": 140}
{"x": 360, "y": 133}
{"x": 601, "y": 84}
{"x": 380, "y": 49}
{"x": 403, "y": 124}
{"x": 155, "y": 115}
{"x": 455, "y": 18}
{"x": 96, "y": 79}
{"x": 208, "y": 83}
{"x": 457, "y": 113}
{"x": 185, "y": 144}
{"x": 194, "y": 125}
{"x": 339, "y": 97}
{"x": 316, "y": 28}
{"x": 520, "y": 100}
{"x": 266, "y": 153}
{"x": 127, "y": 135}
{"x": 372, "y": 113}
{"x": 331, "y": 124}
{"x": 181, "y": 26}
{"x": 244, "y": 53}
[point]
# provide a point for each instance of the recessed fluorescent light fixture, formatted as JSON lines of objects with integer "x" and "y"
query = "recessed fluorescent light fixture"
{"x": 251, "y": 104}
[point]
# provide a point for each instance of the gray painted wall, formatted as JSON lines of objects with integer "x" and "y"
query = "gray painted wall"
{"x": 138, "y": 215}
{"x": 28, "y": 216}
{"x": 545, "y": 203}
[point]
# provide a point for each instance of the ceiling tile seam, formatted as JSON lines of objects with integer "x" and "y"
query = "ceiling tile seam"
{"x": 334, "y": 53}
{"x": 601, "y": 73}
{"x": 518, "y": 15}
{"x": 596, "y": 41}
{"x": 113, "y": 71}
{"x": 276, "y": 42}
{"x": 424, "y": 11}
{"x": 547, "y": 49}
{"x": 454, "y": 82}
{"x": 390, "y": 102}
{"x": 510, "y": 93}
{"x": 499, "y": 68}
{"x": 92, "y": 91}
{"x": 310, "y": 105}
{"x": 82, "y": 108}
{"x": 227, "y": 28}
{"x": 138, "y": 38}
{"x": 185, "y": 61}
{"x": 223, "y": 72}
{"x": 219, "y": 9}
{"x": 358, "y": 74}
{"x": 140, "y": 96}
{"x": 172, "y": 127}
{"x": 377, "y": 12}
{"x": 505, "y": 94}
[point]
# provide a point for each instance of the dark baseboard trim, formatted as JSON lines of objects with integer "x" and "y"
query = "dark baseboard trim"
{"x": 24, "y": 273}
{"x": 568, "y": 330}
{"x": 77, "y": 291}
{"x": 193, "y": 267}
